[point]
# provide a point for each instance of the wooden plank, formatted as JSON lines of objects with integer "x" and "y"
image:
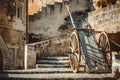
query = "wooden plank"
{"x": 90, "y": 50}
{"x": 114, "y": 39}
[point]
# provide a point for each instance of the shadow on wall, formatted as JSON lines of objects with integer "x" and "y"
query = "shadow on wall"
{"x": 38, "y": 37}
{"x": 1, "y": 60}
{"x": 2, "y": 75}
{"x": 78, "y": 18}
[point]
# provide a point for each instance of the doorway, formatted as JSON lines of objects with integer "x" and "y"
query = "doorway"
{"x": 12, "y": 57}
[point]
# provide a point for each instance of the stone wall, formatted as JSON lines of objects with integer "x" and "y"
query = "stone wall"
{"x": 52, "y": 17}
{"x": 106, "y": 19}
{"x": 30, "y": 56}
{"x": 20, "y": 22}
{"x": 12, "y": 29}
{"x": 4, "y": 59}
{"x": 9, "y": 16}
{"x": 53, "y": 47}
{"x": 15, "y": 43}
{"x": 104, "y": 3}
{"x": 34, "y": 6}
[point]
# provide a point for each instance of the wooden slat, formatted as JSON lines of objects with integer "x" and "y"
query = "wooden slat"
{"x": 90, "y": 50}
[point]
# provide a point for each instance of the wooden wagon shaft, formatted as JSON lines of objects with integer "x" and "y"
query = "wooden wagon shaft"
{"x": 115, "y": 43}
{"x": 71, "y": 17}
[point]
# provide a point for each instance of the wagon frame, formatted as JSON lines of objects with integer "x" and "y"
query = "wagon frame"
{"x": 87, "y": 52}
{"x": 106, "y": 43}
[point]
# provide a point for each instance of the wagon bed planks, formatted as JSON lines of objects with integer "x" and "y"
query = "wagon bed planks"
{"x": 91, "y": 51}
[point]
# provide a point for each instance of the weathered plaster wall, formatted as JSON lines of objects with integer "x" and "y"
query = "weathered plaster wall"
{"x": 104, "y": 3}
{"x": 31, "y": 57}
{"x": 4, "y": 59}
{"x": 12, "y": 30}
{"x": 14, "y": 41}
{"x": 34, "y": 6}
{"x": 7, "y": 10}
{"x": 52, "y": 47}
{"x": 46, "y": 48}
{"x": 49, "y": 20}
{"x": 20, "y": 23}
{"x": 106, "y": 19}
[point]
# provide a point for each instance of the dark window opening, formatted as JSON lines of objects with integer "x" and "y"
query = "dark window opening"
{"x": 77, "y": 1}
{"x": 21, "y": 0}
{"x": 61, "y": 7}
{"x": 32, "y": 1}
{"x": 52, "y": 9}
{"x": 19, "y": 13}
{"x": 114, "y": 1}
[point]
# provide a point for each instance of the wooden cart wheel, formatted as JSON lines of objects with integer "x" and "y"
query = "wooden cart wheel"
{"x": 74, "y": 63}
{"x": 104, "y": 46}
{"x": 74, "y": 57}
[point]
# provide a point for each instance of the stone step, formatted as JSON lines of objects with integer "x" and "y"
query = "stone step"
{"x": 55, "y": 70}
{"x": 38, "y": 70}
{"x": 53, "y": 61}
{"x": 59, "y": 76}
{"x": 55, "y": 58}
{"x": 67, "y": 54}
{"x": 52, "y": 65}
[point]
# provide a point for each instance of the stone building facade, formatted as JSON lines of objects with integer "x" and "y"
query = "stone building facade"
{"x": 12, "y": 32}
{"x": 106, "y": 18}
{"x": 47, "y": 19}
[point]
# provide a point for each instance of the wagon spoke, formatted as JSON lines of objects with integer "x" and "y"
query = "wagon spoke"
{"x": 105, "y": 46}
{"x": 75, "y": 57}
{"x": 107, "y": 50}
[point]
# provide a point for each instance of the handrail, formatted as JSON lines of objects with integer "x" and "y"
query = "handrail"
{"x": 46, "y": 41}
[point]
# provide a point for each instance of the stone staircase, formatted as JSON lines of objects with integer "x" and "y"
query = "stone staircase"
{"x": 53, "y": 62}
{"x": 52, "y": 68}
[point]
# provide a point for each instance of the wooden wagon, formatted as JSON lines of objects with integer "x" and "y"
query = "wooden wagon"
{"x": 90, "y": 54}
{"x": 110, "y": 41}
